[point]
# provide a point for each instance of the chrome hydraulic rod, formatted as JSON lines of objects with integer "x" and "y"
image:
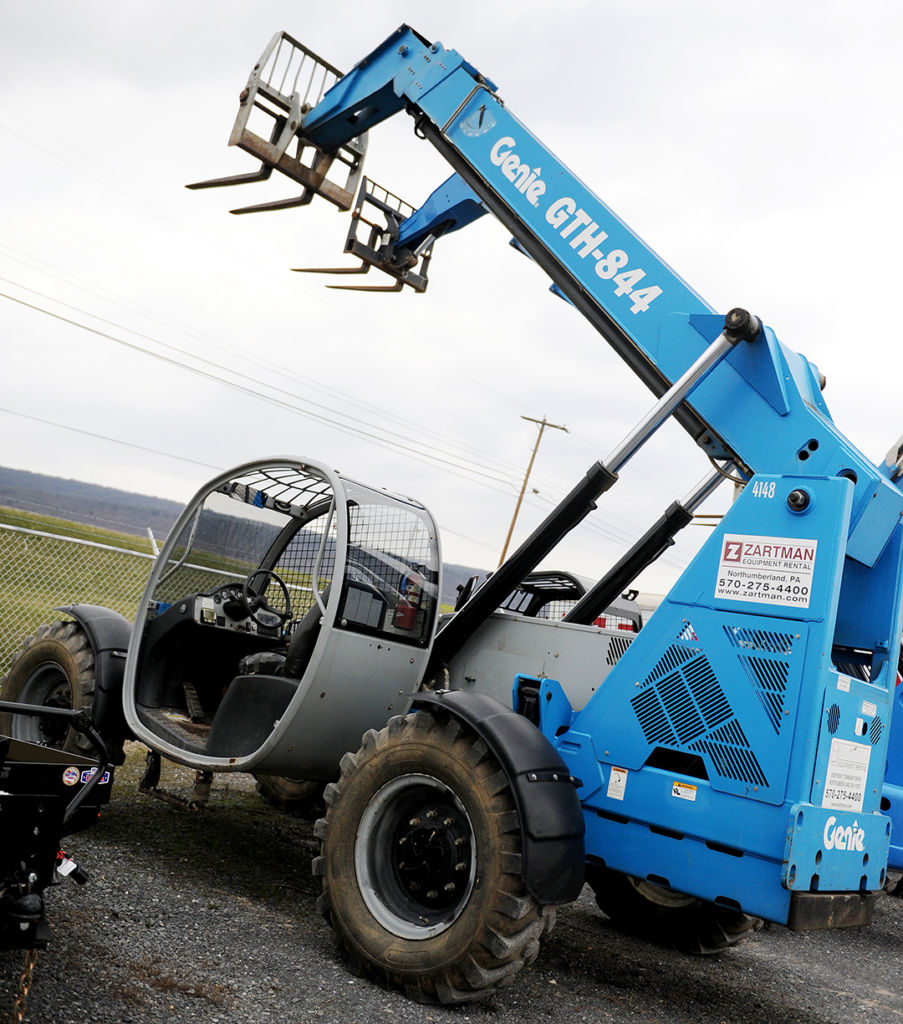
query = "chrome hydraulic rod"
{"x": 745, "y": 327}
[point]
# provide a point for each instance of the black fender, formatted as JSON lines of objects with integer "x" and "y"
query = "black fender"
{"x": 108, "y": 633}
{"x": 551, "y": 818}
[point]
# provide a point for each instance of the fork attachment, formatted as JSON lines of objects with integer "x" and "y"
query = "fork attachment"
{"x": 379, "y": 248}
{"x": 287, "y": 82}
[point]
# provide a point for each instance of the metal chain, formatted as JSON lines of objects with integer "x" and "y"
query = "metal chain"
{"x": 25, "y": 980}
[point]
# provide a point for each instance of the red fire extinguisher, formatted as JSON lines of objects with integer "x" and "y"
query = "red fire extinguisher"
{"x": 411, "y": 594}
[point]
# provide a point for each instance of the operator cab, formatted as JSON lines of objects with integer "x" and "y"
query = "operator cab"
{"x": 286, "y": 598}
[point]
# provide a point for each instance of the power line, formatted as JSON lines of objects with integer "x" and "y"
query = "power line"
{"x": 464, "y": 450}
{"x": 423, "y": 454}
{"x": 478, "y": 460}
{"x": 104, "y": 437}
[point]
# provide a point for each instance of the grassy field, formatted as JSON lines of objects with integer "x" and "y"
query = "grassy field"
{"x": 39, "y": 574}
{"x": 48, "y": 524}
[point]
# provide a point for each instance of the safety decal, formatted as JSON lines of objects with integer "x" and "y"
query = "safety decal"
{"x": 766, "y": 570}
{"x": 683, "y": 790}
{"x": 617, "y": 784}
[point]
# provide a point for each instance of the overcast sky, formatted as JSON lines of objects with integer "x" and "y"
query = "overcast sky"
{"x": 756, "y": 146}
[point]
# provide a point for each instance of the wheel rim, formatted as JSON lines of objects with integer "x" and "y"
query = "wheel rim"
{"x": 47, "y": 685}
{"x": 414, "y": 857}
{"x": 661, "y": 896}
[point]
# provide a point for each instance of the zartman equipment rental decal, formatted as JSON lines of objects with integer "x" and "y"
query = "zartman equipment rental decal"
{"x": 767, "y": 570}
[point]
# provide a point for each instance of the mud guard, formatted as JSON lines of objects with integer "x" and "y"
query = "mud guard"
{"x": 108, "y": 633}
{"x": 551, "y": 818}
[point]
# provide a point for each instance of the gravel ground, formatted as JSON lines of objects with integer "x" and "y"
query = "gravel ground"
{"x": 211, "y": 918}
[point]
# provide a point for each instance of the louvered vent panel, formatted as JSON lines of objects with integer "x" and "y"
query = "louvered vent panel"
{"x": 769, "y": 679}
{"x": 760, "y": 640}
{"x": 652, "y": 718}
{"x": 673, "y": 658}
{"x": 729, "y": 750}
{"x": 680, "y": 707}
{"x": 707, "y": 692}
{"x": 616, "y": 648}
{"x": 688, "y": 634}
{"x": 682, "y": 704}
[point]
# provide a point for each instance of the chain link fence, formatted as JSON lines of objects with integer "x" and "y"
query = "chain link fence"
{"x": 40, "y": 572}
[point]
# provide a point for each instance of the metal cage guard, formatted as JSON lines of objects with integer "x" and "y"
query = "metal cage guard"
{"x": 287, "y": 82}
{"x": 380, "y": 249}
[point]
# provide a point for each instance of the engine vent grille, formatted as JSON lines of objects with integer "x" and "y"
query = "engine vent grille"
{"x": 687, "y": 707}
{"x": 833, "y": 719}
{"x": 652, "y": 718}
{"x": 760, "y": 640}
{"x": 616, "y": 648}
{"x": 682, "y": 704}
{"x": 876, "y": 730}
{"x": 769, "y": 679}
{"x": 729, "y": 750}
{"x": 672, "y": 659}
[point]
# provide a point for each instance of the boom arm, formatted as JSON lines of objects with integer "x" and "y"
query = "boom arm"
{"x": 761, "y": 408}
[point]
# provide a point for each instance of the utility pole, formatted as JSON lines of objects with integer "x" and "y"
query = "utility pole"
{"x": 543, "y": 423}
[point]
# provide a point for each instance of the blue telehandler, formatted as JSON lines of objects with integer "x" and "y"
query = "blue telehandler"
{"x": 727, "y": 763}
{"x": 736, "y": 751}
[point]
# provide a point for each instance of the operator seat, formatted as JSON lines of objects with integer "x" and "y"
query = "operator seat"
{"x": 300, "y": 648}
{"x": 304, "y": 637}
{"x": 259, "y": 695}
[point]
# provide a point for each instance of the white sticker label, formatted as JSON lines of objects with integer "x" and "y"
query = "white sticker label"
{"x": 843, "y": 683}
{"x": 869, "y": 709}
{"x": 683, "y": 790}
{"x": 766, "y": 570}
{"x": 617, "y": 783}
{"x": 848, "y": 767}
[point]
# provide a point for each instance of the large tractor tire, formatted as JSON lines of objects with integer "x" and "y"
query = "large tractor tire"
{"x": 668, "y": 918}
{"x": 54, "y": 668}
{"x": 302, "y": 798}
{"x": 420, "y": 864}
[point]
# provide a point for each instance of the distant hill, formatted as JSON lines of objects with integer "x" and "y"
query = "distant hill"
{"x": 127, "y": 512}
{"x": 87, "y": 503}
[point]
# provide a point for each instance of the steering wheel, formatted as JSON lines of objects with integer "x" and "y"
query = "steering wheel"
{"x": 257, "y": 602}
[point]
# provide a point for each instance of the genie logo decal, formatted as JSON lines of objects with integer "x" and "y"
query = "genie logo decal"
{"x": 571, "y": 222}
{"x": 838, "y": 837}
{"x": 524, "y": 178}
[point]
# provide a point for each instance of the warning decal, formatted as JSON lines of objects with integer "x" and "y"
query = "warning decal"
{"x": 767, "y": 570}
{"x": 617, "y": 783}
